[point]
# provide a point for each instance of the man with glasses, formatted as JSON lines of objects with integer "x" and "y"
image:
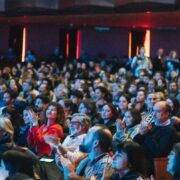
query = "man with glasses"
{"x": 78, "y": 127}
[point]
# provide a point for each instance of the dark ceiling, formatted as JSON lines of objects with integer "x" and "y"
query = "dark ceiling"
{"x": 116, "y": 13}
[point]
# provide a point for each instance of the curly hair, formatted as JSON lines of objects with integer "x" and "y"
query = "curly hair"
{"x": 60, "y": 113}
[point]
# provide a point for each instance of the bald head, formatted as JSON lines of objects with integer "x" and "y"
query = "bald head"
{"x": 161, "y": 112}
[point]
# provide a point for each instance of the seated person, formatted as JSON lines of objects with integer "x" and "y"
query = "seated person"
{"x": 16, "y": 161}
{"x": 157, "y": 138}
{"x": 7, "y": 144}
{"x": 54, "y": 117}
{"x": 127, "y": 129}
{"x": 97, "y": 144}
{"x": 78, "y": 127}
{"x": 128, "y": 162}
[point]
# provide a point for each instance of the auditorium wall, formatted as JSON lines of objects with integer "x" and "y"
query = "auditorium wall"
{"x": 4, "y": 39}
{"x": 169, "y": 39}
{"x": 42, "y": 39}
{"x": 113, "y": 42}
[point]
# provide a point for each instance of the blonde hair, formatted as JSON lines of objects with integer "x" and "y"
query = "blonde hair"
{"x": 6, "y": 124}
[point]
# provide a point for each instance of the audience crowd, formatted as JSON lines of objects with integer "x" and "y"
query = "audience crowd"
{"x": 86, "y": 119}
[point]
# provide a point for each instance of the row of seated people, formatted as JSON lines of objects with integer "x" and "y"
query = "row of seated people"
{"x": 86, "y": 153}
{"x": 131, "y": 109}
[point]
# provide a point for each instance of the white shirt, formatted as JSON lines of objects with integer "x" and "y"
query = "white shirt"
{"x": 72, "y": 144}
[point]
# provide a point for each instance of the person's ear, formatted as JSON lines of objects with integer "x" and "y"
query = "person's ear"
{"x": 95, "y": 143}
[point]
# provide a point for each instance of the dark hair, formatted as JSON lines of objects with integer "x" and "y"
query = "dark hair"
{"x": 106, "y": 93}
{"x": 15, "y": 118}
{"x": 69, "y": 104}
{"x": 105, "y": 138}
{"x": 19, "y": 176}
{"x": 126, "y": 96}
{"x": 136, "y": 115}
{"x": 90, "y": 105}
{"x": 60, "y": 113}
{"x": 135, "y": 155}
{"x": 115, "y": 113}
{"x": 17, "y": 161}
{"x": 77, "y": 93}
{"x": 176, "y": 105}
{"x": 45, "y": 99}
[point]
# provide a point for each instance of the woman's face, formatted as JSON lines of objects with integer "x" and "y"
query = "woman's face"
{"x": 171, "y": 161}
{"x": 123, "y": 103}
{"x": 128, "y": 119}
{"x": 106, "y": 112}
{"x": 51, "y": 113}
{"x": 120, "y": 161}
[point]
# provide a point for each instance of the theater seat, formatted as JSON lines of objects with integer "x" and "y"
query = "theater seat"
{"x": 160, "y": 165}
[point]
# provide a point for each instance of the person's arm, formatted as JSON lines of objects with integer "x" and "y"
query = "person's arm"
{"x": 134, "y": 63}
{"x": 55, "y": 142}
{"x": 55, "y": 130}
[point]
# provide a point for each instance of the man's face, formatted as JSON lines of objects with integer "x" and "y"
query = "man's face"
{"x": 160, "y": 113}
{"x": 75, "y": 126}
{"x": 87, "y": 143}
{"x": 151, "y": 100}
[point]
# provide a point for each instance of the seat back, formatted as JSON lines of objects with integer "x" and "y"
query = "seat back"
{"x": 160, "y": 165}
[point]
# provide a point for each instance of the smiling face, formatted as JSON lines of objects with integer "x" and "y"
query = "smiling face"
{"x": 128, "y": 119}
{"x": 51, "y": 113}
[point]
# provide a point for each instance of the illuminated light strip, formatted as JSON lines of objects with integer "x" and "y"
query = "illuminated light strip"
{"x": 137, "y": 50}
{"x": 130, "y": 45}
{"x": 78, "y": 44}
{"x": 23, "y": 45}
{"x": 147, "y": 42}
{"x": 67, "y": 45}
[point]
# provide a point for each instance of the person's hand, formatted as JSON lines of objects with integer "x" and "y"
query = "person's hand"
{"x": 33, "y": 117}
{"x": 145, "y": 127}
{"x": 52, "y": 140}
{"x": 67, "y": 165}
